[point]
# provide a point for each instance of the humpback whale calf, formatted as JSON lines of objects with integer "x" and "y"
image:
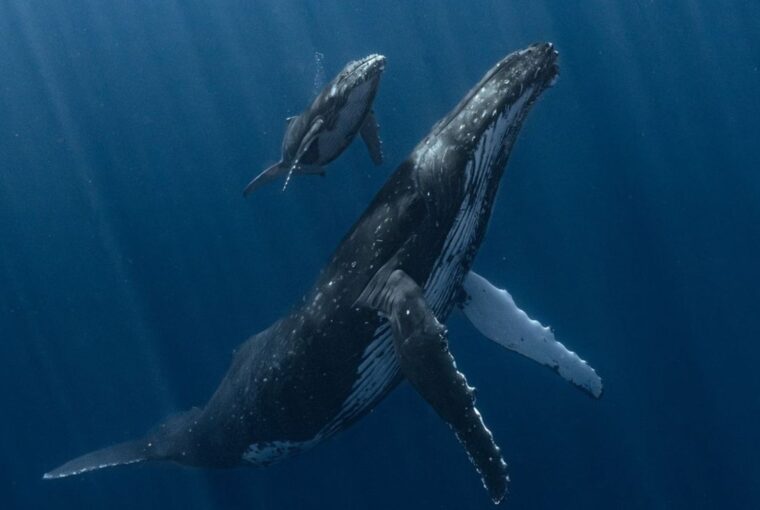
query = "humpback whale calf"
{"x": 322, "y": 132}
{"x": 375, "y": 315}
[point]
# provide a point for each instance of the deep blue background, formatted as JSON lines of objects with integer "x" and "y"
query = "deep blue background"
{"x": 629, "y": 219}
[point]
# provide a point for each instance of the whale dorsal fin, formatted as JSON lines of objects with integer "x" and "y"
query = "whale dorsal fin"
{"x": 370, "y": 132}
{"x": 494, "y": 313}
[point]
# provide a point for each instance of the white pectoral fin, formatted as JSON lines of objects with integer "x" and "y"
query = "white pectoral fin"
{"x": 494, "y": 313}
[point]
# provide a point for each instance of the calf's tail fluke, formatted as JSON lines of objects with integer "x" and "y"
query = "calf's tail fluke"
{"x": 270, "y": 174}
{"x": 116, "y": 455}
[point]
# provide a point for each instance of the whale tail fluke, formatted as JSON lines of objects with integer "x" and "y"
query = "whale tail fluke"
{"x": 129, "y": 452}
{"x": 270, "y": 174}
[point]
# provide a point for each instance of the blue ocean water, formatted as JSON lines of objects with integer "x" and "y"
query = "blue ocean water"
{"x": 628, "y": 219}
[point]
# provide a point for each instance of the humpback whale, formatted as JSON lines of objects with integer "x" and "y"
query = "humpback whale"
{"x": 322, "y": 132}
{"x": 375, "y": 316}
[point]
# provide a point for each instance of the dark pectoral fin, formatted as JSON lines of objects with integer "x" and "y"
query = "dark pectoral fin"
{"x": 422, "y": 349}
{"x": 308, "y": 143}
{"x": 308, "y": 150}
{"x": 370, "y": 132}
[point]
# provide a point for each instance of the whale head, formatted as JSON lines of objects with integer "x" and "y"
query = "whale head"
{"x": 466, "y": 152}
{"x": 363, "y": 71}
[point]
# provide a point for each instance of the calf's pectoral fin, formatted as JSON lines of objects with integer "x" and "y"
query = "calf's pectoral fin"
{"x": 370, "y": 132}
{"x": 280, "y": 168}
{"x": 308, "y": 151}
{"x": 425, "y": 360}
{"x": 494, "y": 313}
{"x": 308, "y": 141}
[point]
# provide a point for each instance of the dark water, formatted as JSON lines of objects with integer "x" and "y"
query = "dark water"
{"x": 629, "y": 219}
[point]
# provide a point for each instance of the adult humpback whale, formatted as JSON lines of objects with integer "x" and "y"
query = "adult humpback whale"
{"x": 374, "y": 317}
{"x": 322, "y": 132}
